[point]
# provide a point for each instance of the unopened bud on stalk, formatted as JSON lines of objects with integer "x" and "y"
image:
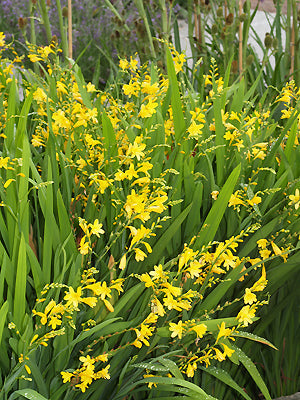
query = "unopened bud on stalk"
{"x": 54, "y": 40}
{"x": 22, "y": 22}
{"x": 229, "y": 19}
{"x": 246, "y": 6}
{"x": 214, "y": 29}
{"x": 220, "y": 12}
{"x": 234, "y": 66}
{"x": 65, "y": 12}
{"x": 275, "y": 43}
{"x": 242, "y": 17}
{"x": 48, "y": 3}
{"x": 33, "y": 2}
{"x": 268, "y": 41}
{"x": 249, "y": 60}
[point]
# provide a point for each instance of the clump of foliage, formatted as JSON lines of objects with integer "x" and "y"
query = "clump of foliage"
{"x": 131, "y": 214}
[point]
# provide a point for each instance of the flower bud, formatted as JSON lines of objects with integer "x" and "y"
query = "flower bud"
{"x": 246, "y": 6}
{"x": 65, "y": 12}
{"x": 220, "y": 12}
{"x": 242, "y": 17}
{"x": 275, "y": 43}
{"x": 229, "y": 19}
{"x": 214, "y": 29}
{"x": 54, "y": 40}
{"x": 268, "y": 41}
{"x": 234, "y": 66}
{"x": 22, "y": 22}
{"x": 249, "y": 60}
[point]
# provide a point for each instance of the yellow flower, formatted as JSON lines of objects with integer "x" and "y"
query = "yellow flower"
{"x": 219, "y": 355}
{"x": 187, "y": 255}
{"x": 99, "y": 289}
{"x": 200, "y": 330}
{"x": 90, "y": 301}
{"x": 255, "y": 200}
{"x": 102, "y": 357}
{"x": 148, "y": 110}
{"x": 174, "y": 290}
{"x": 262, "y": 243}
{"x": 215, "y": 194}
{"x": 139, "y": 255}
{"x": 87, "y": 361}
{"x": 2, "y": 39}
{"x": 73, "y": 297}
{"x": 227, "y": 350}
{"x": 194, "y": 130}
{"x": 147, "y": 280}
{"x": 84, "y": 246}
{"x": 223, "y": 332}
{"x": 66, "y": 376}
{"x": 235, "y": 200}
{"x": 103, "y": 373}
{"x": 34, "y": 58}
{"x": 96, "y": 228}
{"x": 54, "y": 321}
{"x": 4, "y": 162}
{"x": 90, "y": 88}
{"x": 295, "y": 199}
{"x": 157, "y": 307}
{"x": 261, "y": 283}
{"x": 246, "y": 315}
{"x": 176, "y": 329}
{"x": 123, "y": 64}
{"x": 191, "y": 368}
{"x": 28, "y": 370}
{"x": 117, "y": 284}
{"x": 265, "y": 253}
{"x": 138, "y": 234}
{"x": 158, "y": 273}
{"x": 136, "y": 149}
{"x": 61, "y": 120}
{"x": 150, "y": 384}
{"x": 249, "y": 297}
{"x": 131, "y": 89}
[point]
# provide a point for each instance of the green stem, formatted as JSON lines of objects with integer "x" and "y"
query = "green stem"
{"x": 46, "y": 21}
{"x": 32, "y": 27}
{"x": 62, "y": 29}
{"x": 140, "y": 6}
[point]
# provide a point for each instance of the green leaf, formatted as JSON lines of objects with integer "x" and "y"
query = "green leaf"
{"x": 28, "y": 394}
{"x": 176, "y": 385}
{"x": 20, "y": 287}
{"x": 251, "y": 336}
{"x": 251, "y": 368}
{"x": 9, "y": 131}
{"x": 179, "y": 122}
{"x": 212, "y": 221}
{"x": 3, "y": 313}
{"x": 109, "y": 136}
{"x": 92, "y": 331}
{"x": 165, "y": 238}
{"x": 226, "y": 378}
